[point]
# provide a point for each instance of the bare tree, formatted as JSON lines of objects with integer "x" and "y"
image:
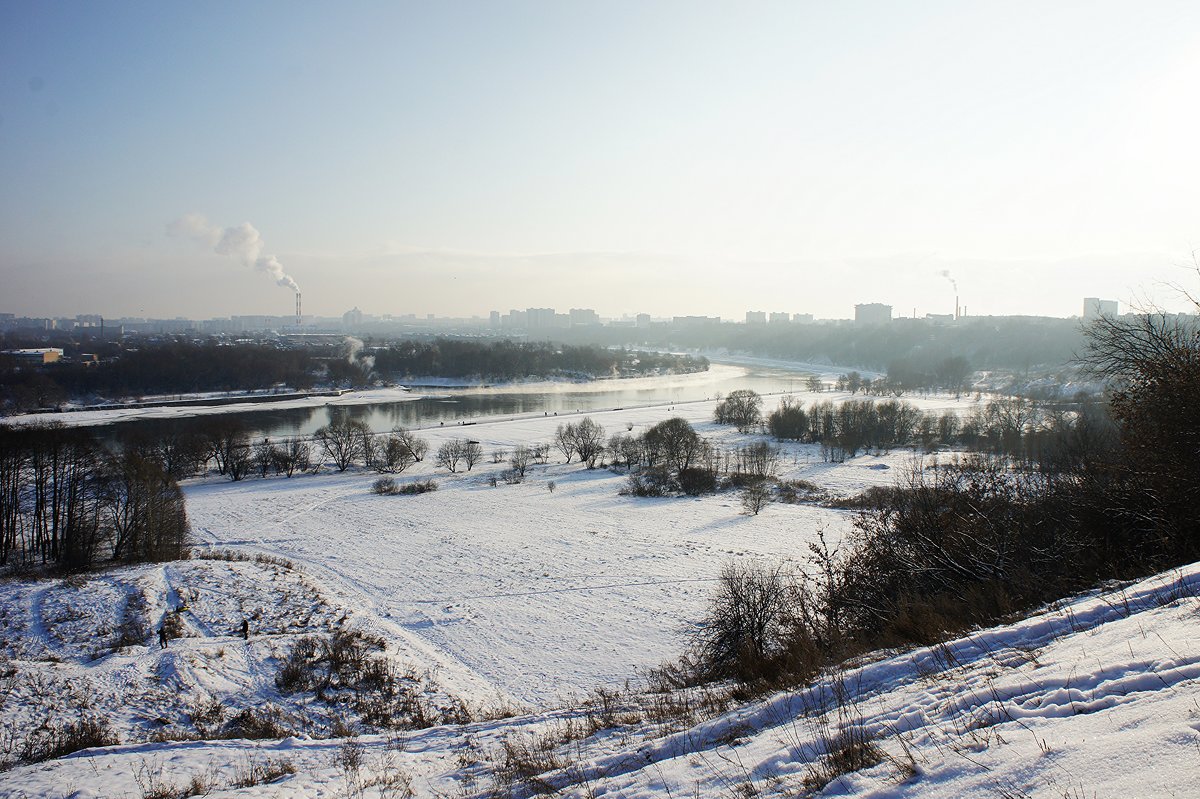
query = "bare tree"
{"x": 565, "y": 441}
{"x": 587, "y": 440}
{"x": 395, "y": 456}
{"x": 341, "y": 442}
{"x": 759, "y": 459}
{"x": 673, "y": 443}
{"x": 292, "y": 455}
{"x": 417, "y": 446}
{"x": 520, "y": 460}
{"x": 472, "y": 453}
{"x": 449, "y": 454}
{"x": 264, "y": 458}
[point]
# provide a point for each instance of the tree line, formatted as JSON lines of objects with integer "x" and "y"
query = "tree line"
{"x": 988, "y": 534}
{"x": 185, "y": 366}
{"x": 993, "y": 342}
{"x": 69, "y": 502}
{"x": 1030, "y": 432}
{"x": 507, "y": 360}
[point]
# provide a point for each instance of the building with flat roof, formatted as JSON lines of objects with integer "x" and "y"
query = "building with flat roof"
{"x": 872, "y": 313}
{"x": 1094, "y": 308}
{"x": 36, "y": 356}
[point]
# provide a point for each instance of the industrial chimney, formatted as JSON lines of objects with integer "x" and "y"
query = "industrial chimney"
{"x": 298, "y": 315}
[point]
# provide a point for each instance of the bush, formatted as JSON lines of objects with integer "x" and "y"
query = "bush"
{"x": 649, "y": 483}
{"x": 756, "y": 497}
{"x": 384, "y": 485}
{"x": 60, "y": 740}
{"x": 743, "y": 632}
{"x": 257, "y": 724}
{"x": 418, "y": 487}
{"x": 695, "y": 482}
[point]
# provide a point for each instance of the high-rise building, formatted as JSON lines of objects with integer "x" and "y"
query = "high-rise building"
{"x": 756, "y": 317}
{"x": 539, "y": 318}
{"x": 872, "y": 313}
{"x": 1094, "y": 308}
{"x": 352, "y": 318}
{"x": 581, "y": 317}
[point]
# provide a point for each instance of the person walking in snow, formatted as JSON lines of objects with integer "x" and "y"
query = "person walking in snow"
{"x": 246, "y": 629}
{"x": 162, "y": 636}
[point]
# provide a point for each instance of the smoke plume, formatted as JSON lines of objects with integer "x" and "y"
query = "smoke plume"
{"x": 946, "y": 274}
{"x": 241, "y": 241}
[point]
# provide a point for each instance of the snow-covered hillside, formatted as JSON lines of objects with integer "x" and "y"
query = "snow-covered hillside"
{"x": 1092, "y": 697}
{"x": 527, "y": 608}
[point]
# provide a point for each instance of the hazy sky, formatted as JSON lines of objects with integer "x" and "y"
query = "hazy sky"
{"x": 672, "y": 158}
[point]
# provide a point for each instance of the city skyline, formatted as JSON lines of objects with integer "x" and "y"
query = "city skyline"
{"x": 681, "y": 156}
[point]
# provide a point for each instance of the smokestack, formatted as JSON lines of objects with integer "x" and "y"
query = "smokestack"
{"x": 298, "y": 315}
{"x": 955, "y": 307}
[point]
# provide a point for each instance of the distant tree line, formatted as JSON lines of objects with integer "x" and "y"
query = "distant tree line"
{"x": 506, "y": 360}
{"x": 1011, "y": 343}
{"x": 185, "y": 366}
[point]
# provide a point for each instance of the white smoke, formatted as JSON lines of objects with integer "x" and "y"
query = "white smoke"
{"x": 353, "y": 346}
{"x": 946, "y": 274}
{"x": 243, "y": 242}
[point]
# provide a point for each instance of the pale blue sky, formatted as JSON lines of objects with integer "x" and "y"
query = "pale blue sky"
{"x": 662, "y": 157}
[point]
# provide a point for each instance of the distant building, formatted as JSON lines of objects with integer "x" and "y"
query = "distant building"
{"x": 1094, "y": 308}
{"x": 802, "y": 318}
{"x": 872, "y": 313}
{"x": 35, "y": 356}
{"x": 583, "y": 317}
{"x": 643, "y": 320}
{"x": 779, "y": 318}
{"x": 756, "y": 317}
{"x": 494, "y": 320}
{"x": 940, "y": 318}
{"x": 352, "y": 318}
{"x": 539, "y": 318}
{"x": 695, "y": 321}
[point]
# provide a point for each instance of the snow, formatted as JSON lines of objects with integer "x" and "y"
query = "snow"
{"x": 1092, "y": 697}
{"x": 519, "y": 597}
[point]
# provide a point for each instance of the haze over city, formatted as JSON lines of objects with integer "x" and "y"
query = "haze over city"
{"x": 673, "y": 158}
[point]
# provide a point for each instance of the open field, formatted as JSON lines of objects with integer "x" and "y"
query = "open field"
{"x": 519, "y": 601}
{"x": 543, "y": 593}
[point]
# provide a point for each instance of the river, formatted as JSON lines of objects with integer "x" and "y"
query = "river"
{"x": 431, "y": 407}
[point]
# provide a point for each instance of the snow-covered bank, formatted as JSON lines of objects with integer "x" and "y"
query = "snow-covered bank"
{"x": 83, "y": 418}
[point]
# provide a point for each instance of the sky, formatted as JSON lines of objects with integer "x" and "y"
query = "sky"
{"x": 184, "y": 158}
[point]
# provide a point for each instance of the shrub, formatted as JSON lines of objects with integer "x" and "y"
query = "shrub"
{"x": 756, "y": 497}
{"x": 418, "y": 487}
{"x": 252, "y": 724}
{"x": 695, "y": 482}
{"x": 384, "y": 485}
{"x": 744, "y": 627}
{"x": 650, "y": 483}
{"x": 48, "y": 743}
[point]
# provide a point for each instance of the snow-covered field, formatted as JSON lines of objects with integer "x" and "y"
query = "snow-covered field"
{"x": 543, "y": 593}
{"x": 527, "y": 598}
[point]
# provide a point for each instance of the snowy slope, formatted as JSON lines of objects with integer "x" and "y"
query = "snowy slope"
{"x": 1093, "y": 697}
